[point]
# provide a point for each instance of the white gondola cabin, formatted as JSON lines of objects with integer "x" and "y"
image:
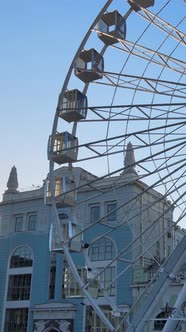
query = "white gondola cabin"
{"x": 112, "y": 26}
{"x": 69, "y": 231}
{"x": 64, "y": 192}
{"x": 136, "y": 4}
{"x": 73, "y": 106}
{"x": 65, "y": 148}
{"x": 89, "y": 66}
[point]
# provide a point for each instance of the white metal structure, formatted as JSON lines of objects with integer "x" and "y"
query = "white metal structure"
{"x": 168, "y": 273}
{"x": 126, "y": 84}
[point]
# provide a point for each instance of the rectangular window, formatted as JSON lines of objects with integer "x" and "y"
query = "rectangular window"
{"x": 32, "y": 218}
{"x": 95, "y": 324}
{"x": 106, "y": 277}
{"x": 19, "y": 287}
{"x": 111, "y": 212}
{"x": 71, "y": 287}
{"x": 16, "y": 320}
{"x": 19, "y": 223}
{"x": 94, "y": 213}
{"x": 52, "y": 281}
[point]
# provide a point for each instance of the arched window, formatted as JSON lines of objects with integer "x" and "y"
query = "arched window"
{"x": 19, "y": 287}
{"x": 102, "y": 249}
{"x": 22, "y": 257}
{"x": 159, "y": 324}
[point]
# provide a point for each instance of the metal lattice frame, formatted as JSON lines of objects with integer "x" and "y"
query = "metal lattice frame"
{"x": 146, "y": 107}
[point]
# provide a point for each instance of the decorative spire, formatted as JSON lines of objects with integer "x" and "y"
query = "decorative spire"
{"x": 129, "y": 161}
{"x": 12, "y": 183}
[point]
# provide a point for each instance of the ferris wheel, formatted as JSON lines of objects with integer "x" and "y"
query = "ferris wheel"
{"x": 121, "y": 110}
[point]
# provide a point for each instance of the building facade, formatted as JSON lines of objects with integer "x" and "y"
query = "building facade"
{"x": 38, "y": 291}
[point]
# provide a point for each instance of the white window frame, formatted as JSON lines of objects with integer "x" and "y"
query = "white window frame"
{"x": 30, "y": 222}
{"x": 18, "y": 269}
{"x": 92, "y": 216}
{"x": 96, "y": 324}
{"x": 71, "y": 287}
{"x": 19, "y": 223}
{"x": 24, "y": 323}
{"x": 101, "y": 259}
{"x": 109, "y": 214}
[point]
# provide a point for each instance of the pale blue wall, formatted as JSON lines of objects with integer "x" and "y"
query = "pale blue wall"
{"x": 38, "y": 241}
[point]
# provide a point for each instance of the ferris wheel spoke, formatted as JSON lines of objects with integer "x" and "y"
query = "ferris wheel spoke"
{"x": 154, "y": 56}
{"x": 115, "y": 141}
{"x": 166, "y": 27}
{"x": 144, "y": 84}
{"x": 132, "y": 202}
{"x": 135, "y": 112}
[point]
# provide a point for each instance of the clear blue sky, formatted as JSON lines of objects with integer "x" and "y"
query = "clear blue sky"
{"x": 38, "y": 42}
